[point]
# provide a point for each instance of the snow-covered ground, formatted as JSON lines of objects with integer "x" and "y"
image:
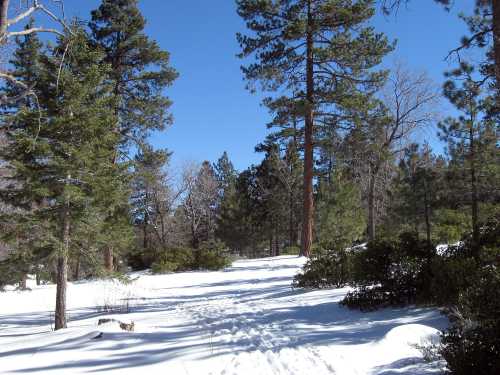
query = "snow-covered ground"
{"x": 244, "y": 320}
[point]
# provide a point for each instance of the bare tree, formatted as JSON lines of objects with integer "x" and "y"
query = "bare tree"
{"x": 200, "y": 201}
{"x": 409, "y": 102}
{"x": 9, "y": 29}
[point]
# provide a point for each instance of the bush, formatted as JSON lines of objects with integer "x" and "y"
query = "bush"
{"x": 164, "y": 266}
{"x": 213, "y": 260}
{"x": 472, "y": 344}
{"x": 451, "y": 275}
{"x": 212, "y": 256}
{"x": 331, "y": 269}
{"x": 390, "y": 272}
{"x": 174, "y": 260}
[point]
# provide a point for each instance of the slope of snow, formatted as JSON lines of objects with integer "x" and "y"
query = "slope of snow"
{"x": 243, "y": 320}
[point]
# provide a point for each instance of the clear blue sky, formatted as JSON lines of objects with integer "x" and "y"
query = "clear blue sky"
{"x": 213, "y": 111}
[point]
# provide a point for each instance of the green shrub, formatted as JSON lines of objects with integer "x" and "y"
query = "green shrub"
{"x": 330, "y": 269}
{"x": 390, "y": 272}
{"x": 174, "y": 260}
{"x": 212, "y": 260}
{"x": 472, "y": 344}
{"x": 366, "y": 298}
{"x": 164, "y": 266}
{"x": 451, "y": 275}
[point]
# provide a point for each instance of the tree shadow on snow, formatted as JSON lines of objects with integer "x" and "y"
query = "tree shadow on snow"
{"x": 288, "y": 319}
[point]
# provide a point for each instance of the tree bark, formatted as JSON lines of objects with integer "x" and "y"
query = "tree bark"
{"x": 108, "y": 259}
{"x": 23, "y": 282}
{"x": 62, "y": 271}
{"x": 291, "y": 220}
{"x": 475, "y": 209}
{"x": 38, "y": 278}
{"x": 371, "y": 206}
{"x": 427, "y": 214}
{"x": 307, "y": 221}
{"x": 76, "y": 273}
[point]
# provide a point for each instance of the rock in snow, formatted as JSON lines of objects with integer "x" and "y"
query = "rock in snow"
{"x": 243, "y": 320}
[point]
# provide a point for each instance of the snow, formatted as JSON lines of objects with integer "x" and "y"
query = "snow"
{"x": 243, "y": 320}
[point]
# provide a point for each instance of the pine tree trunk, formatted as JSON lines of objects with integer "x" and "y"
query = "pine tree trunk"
{"x": 23, "y": 285}
{"x": 62, "y": 272}
{"x": 108, "y": 259}
{"x": 427, "y": 215}
{"x": 76, "y": 273}
{"x": 291, "y": 220}
{"x": 371, "y": 206}
{"x": 307, "y": 221}
{"x": 475, "y": 209}
{"x": 276, "y": 242}
{"x": 38, "y": 278}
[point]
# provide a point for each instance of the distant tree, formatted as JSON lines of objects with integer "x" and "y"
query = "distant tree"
{"x": 322, "y": 55}
{"x": 407, "y": 105}
{"x": 199, "y": 203}
{"x": 418, "y": 189}
{"x": 341, "y": 218}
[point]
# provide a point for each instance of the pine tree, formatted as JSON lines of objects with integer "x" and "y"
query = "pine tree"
{"x": 150, "y": 198}
{"x": 20, "y": 232}
{"x": 58, "y": 164}
{"x": 140, "y": 72}
{"x": 472, "y": 140}
{"x": 309, "y": 49}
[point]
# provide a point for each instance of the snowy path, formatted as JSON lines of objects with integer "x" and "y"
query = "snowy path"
{"x": 244, "y": 320}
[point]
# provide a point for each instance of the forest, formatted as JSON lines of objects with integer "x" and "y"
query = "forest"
{"x": 362, "y": 174}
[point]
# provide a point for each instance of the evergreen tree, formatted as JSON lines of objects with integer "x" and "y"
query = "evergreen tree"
{"x": 323, "y": 55}
{"x": 59, "y": 166}
{"x": 341, "y": 219}
{"x": 140, "y": 72}
{"x": 472, "y": 140}
{"x": 151, "y": 199}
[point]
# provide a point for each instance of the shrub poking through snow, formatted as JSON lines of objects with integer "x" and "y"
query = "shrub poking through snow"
{"x": 330, "y": 269}
{"x": 208, "y": 257}
{"x": 174, "y": 260}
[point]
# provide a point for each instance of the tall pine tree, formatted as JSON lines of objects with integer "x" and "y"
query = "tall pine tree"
{"x": 322, "y": 54}
{"x": 140, "y": 72}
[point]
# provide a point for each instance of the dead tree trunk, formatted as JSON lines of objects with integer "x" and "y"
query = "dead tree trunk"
{"x": 307, "y": 221}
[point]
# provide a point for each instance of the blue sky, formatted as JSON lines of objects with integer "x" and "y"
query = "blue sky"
{"x": 214, "y": 113}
